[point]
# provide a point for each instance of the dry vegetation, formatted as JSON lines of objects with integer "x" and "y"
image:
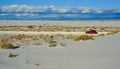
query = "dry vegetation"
{"x": 10, "y": 55}
{"x": 83, "y": 37}
{"x": 7, "y": 41}
{"x": 113, "y": 32}
{"x": 58, "y": 28}
{"x": 6, "y": 45}
{"x": 102, "y": 34}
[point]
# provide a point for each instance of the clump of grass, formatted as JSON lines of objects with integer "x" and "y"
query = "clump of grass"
{"x": 52, "y": 45}
{"x": 6, "y": 45}
{"x": 30, "y": 26}
{"x": 83, "y": 37}
{"x": 11, "y": 55}
{"x": 77, "y": 38}
{"x": 113, "y": 32}
{"x": 48, "y": 39}
{"x": 102, "y": 34}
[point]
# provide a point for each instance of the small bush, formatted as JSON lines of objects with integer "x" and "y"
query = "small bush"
{"x": 83, "y": 37}
{"x": 52, "y": 45}
{"x": 6, "y": 45}
{"x": 110, "y": 33}
{"x": 113, "y": 32}
{"x": 48, "y": 39}
{"x": 30, "y": 26}
{"x": 77, "y": 38}
{"x": 11, "y": 55}
{"x": 101, "y": 34}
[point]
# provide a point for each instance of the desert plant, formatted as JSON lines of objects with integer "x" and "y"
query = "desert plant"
{"x": 52, "y": 45}
{"x": 30, "y": 26}
{"x": 113, "y": 32}
{"x": 83, "y": 37}
{"x": 102, "y": 34}
{"x": 48, "y": 39}
{"x": 10, "y": 55}
{"x": 6, "y": 45}
{"x": 77, "y": 38}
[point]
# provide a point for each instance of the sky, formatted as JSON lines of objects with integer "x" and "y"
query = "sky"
{"x": 65, "y": 3}
{"x": 59, "y": 9}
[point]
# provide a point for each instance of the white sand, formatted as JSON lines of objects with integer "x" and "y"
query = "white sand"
{"x": 101, "y": 53}
{"x": 59, "y": 23}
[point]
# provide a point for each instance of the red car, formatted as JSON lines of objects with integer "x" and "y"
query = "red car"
{"x": 91, "y": 32}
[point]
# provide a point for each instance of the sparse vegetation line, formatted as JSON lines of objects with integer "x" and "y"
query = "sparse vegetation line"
{"x": 47, "y": 33}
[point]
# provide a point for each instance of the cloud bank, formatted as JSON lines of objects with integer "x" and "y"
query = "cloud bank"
{"x": 54, "y": 9}
{"x": 39, "y": 12}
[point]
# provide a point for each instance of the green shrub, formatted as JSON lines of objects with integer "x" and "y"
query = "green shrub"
{"x": 102, "y": 34}
{"x": 110, "y": 33}
{"x": 83, "y": 37}
{"x": 6, "y": 45}
{"x": 77, "y": 38}
{"x": 48, "y": 39}
{"x": 113, "y": 32}
{"x": 11, "y": 55}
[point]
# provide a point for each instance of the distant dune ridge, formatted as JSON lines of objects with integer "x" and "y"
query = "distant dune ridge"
{"x": 60, "y": 23}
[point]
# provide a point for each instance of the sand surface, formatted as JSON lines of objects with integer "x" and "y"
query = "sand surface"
{"x": 101, "y": 53}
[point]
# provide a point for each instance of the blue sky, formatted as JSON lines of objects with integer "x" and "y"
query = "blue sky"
{"x": 64, "y": 3}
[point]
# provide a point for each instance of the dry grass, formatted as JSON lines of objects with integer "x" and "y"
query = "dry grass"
{"x": 6, "y": 45}
{"x": 26, "y": 39}
{"x": 102, "y": 34}
{"x": 10, "y": 55}
{"x": 83, "y": 37}
{"x": 113, "y": 32}
{"x": 57, "y": 28}
{"x": 48, "y": 39}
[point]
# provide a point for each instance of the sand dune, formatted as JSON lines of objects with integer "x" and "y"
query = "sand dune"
{"x": 59, "y": 23}
{"x": 103, "y": 53}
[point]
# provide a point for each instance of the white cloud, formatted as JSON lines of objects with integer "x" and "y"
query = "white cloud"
{"x": 26, "y": 8}
{"x": 3, "y": 14}
{"x": 86, "y": 11}
{"x": 99, "y": 10}
{"x": 25, "y": 14}
{"x": 50, "y": 9}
